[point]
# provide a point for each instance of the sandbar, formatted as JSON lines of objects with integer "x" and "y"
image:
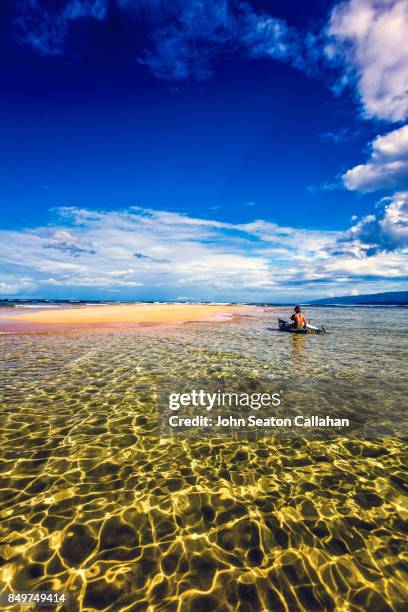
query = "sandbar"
{"x": 129, "y": 314}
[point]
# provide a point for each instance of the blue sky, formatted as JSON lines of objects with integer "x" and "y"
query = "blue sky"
{"x": 222, "y": 151}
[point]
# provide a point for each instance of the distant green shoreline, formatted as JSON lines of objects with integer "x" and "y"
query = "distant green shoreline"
{"x": 389, "y": 298}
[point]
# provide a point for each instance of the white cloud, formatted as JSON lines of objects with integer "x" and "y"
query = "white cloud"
{"x": 205, "y": 259}
{"x": 13, "y": 284}
{"x": 65, "y": 241}
{"x": 387, "y": 166}
{"x": 369, "y": 39}
{"x": 384, "y": 231}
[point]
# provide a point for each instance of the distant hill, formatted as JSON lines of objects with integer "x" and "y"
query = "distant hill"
{"x": 389, "y": 298}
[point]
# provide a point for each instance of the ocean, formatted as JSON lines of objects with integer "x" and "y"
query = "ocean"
{"x": 103, "y": 500}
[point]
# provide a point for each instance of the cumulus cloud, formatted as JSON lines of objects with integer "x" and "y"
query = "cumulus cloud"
{"x": 368, "y": 39}
{"x": 387, "y": 166}
{"x": 148, "y": 253}
{"x": 14, "y": 285}
{"x": 384, "y": 231}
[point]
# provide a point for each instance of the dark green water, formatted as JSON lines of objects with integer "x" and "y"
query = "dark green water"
{"x": 99, "y": 501}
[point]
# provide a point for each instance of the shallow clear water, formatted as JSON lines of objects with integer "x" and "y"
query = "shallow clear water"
{"x": 98, "y": 499}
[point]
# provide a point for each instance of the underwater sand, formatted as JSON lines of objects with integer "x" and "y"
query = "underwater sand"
{"x": 97, "y": 501}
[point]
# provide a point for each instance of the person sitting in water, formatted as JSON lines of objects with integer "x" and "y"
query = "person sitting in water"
{"x": 298, "y": 318}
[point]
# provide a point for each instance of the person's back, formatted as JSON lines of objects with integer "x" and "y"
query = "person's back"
{"x": 298, "y": 318}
